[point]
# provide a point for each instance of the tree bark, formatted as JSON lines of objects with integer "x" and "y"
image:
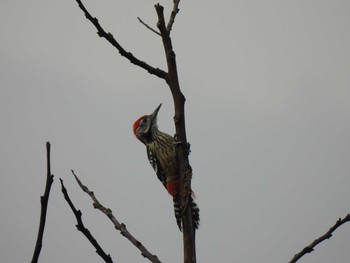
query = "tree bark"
{"x": 181, "y": 148}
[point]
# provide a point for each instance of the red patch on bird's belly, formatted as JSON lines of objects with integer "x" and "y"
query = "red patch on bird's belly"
{"x": 173, "y": 187}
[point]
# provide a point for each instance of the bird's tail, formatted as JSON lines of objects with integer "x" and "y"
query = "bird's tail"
{"x": 194, "y": 211}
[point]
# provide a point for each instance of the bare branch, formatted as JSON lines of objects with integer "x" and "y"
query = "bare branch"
{"x": 44, "y": 202}
{"x": 147, "y": 26}
{"x": 327, "y": 235}
{"x": 109, "y": 37}
{"x": 173, "y": 15}
{"x": 119, "y": 226}
{"x": 181, "y": 149}
{"x": 80, "y": 226}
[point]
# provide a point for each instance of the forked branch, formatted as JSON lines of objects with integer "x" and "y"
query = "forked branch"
{"x": 327, "y": 235}
{"x": 181, "y": 148}
{"x": 119, "y": 226}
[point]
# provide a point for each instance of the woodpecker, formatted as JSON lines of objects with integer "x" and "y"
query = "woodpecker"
{"x": 161, "y": 155}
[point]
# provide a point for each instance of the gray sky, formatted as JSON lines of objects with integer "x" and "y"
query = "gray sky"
{"x": 268, "y": 117}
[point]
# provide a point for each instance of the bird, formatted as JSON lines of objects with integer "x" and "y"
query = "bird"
{"x": 161, "y": 155}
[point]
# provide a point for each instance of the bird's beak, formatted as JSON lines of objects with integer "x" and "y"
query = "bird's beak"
{"x": 155, "y": 113}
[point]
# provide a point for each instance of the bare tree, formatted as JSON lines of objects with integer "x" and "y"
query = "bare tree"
{"x": 171, "y": 78}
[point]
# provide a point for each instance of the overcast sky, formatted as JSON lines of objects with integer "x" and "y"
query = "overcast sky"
{"x": 267, "y": 85}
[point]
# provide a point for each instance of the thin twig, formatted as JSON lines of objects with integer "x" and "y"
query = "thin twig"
{"x": 109, "y": 37}
{"x": 147, "y": 26}
{"x": 119, "y": 226}
{"x": 44, "y": 202}
{"x": 80, "y": 226}
{"x": 327, "y": 235}
{"x": 173, "y": 15}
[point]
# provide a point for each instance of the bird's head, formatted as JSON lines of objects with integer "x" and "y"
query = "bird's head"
{"x": 145, "y": 127}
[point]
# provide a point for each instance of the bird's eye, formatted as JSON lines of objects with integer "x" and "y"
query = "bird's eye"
{"x": 143, "y": 121}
